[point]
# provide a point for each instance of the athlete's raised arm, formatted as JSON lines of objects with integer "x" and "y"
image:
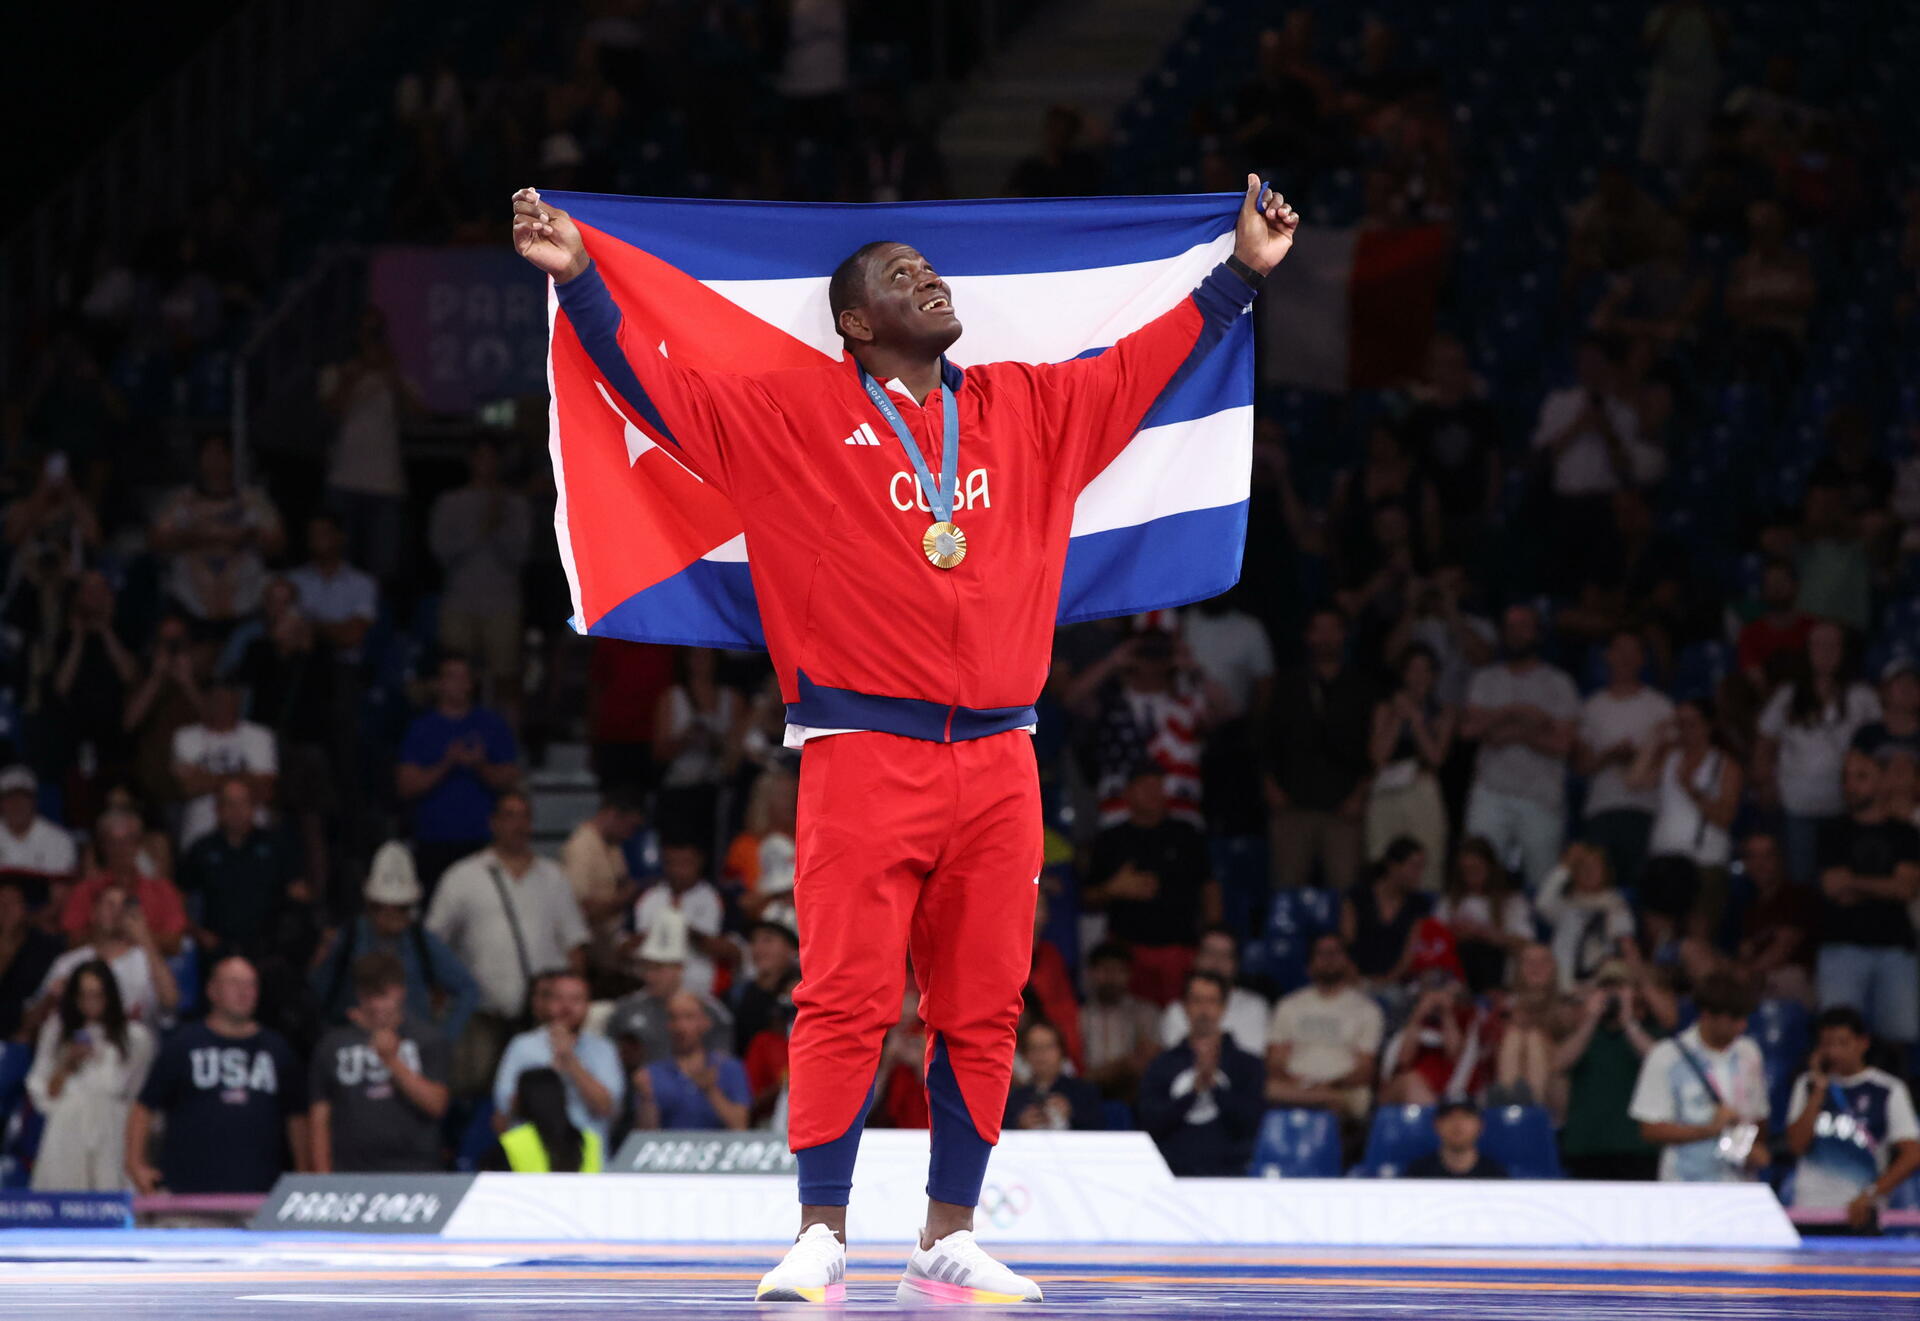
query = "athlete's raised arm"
{"x": 688, "y": 409}
{"x": 1095, "y": 405}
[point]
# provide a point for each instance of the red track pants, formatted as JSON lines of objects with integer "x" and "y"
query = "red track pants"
{"x": 907, "y": 846}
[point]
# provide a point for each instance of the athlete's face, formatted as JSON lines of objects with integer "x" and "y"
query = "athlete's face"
{"x": 908, "y": 306}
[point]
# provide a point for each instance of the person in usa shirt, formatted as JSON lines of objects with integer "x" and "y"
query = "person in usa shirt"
{"x": 233, "y": 1095}
{"x": 1852, "y": 1126}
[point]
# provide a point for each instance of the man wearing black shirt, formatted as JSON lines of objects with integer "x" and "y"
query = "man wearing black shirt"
{"x": 1454, "y": 435}
{"x": 1317, "y": 760}
{"x": 773, "y": 954}
{"x": 1151, "y": 876}
{"x": 1869, "y": 874}
{"x": 233, "y": 1094}
{"x": 1458, "y": 1157}
{"x": 1897, "y": 731}
{"x": 243, "y": 875}
{"x": 380, "y": 1085}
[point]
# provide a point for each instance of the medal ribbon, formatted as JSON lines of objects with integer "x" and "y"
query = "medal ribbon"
{"x": 939, "y": 498}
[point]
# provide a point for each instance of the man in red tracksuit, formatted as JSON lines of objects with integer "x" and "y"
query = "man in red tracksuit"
{"x": 910, "y": 648}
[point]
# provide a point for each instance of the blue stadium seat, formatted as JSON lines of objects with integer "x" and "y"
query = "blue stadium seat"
{"x": 1783, "y": 1028}
{"x": 1297, "y": 1144}
{"x": 476, "y": 1139}
{"x": 1521, "y": 1138}
{"x": 1297, "y": 919}
{"x": 185, "y": 967}
{"x": 1400, "y": 1135}
{"x": 1117, "y": 1116}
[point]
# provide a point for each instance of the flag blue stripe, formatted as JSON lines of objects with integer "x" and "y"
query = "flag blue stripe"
{"x": 1153, "y": 566}
{"x": 709, "y": 603}
{"x": 713, "y": 240}
{"x": 1221, "y": 380}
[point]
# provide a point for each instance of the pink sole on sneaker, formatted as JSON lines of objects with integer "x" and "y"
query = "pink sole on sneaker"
{"x": 936, "y": 1291}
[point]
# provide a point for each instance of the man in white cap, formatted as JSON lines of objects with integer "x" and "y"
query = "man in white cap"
{"x": 440, "y": 990}
{"x": 29, "y": 842}
{"x": 639, "y": 1021}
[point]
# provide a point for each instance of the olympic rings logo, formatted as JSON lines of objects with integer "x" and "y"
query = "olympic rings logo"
{"x": 1003, "y": 1206}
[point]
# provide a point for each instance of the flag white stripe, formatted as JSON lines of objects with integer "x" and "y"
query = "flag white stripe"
{"x": 1173, "y": 469}
{"x": 560, "y": 470}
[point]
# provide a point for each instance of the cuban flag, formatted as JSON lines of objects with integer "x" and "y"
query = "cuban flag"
{"x": 655, "y": 554}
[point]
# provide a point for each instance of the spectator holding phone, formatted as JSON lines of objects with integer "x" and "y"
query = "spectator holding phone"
{"x": 1601, "y": 1058}
{"x": 1051, "y": 1098}
{"x": 1852, "y": 1126}
{"x": 120, "y": 939}
{"x": 1702, "y": 1094}
{"x": 90, "y": 1063}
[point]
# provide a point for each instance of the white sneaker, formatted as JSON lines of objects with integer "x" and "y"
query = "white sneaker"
{"x": 813, "y": 1271}
{"x": 956, "y": 1269}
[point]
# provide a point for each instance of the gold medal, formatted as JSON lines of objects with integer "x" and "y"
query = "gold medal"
{"x": 945, "y": 545}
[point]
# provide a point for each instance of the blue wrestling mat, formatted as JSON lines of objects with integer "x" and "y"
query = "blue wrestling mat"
{"x": 203, "y": 1275}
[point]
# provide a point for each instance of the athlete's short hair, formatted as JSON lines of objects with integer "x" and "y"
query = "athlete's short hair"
{"x": 848, "y": 287}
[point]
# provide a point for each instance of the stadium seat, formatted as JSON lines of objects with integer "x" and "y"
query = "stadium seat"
{"x": 1521, "y": 1138}
{"x": 1297, "y": 1144}
{"x": 1400, "y": 1135}
{"x": 1782, "y": 1027}
{"x": 476, "y": 1139}
{"x": 1117, "y": 1116}
{"x": 1297, "y": 919}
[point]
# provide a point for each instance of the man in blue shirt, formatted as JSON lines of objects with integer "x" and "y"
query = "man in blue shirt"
{"x": 586, "y": 1061}
{"x": 698, "y": 1087}
{"x": 1852, "y": 1126}
{"x": 455, "y": 759}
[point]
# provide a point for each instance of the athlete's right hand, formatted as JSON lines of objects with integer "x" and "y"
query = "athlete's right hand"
{"x": 546, "y": 236}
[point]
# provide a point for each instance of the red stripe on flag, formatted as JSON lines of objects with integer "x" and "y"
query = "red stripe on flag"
{"x": 635, "y": 524}
{"x": 1394, "y": 291}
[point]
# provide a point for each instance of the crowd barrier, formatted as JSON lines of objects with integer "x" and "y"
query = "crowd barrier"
{"x": 1041, "y": 1188}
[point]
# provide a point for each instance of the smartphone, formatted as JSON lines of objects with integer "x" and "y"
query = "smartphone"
{"x": 83, "y": 1036}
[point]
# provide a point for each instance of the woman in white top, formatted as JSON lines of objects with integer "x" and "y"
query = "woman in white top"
{"x": 1491, "y": 921}
{"x": 90, "y": 1064}
{"x": 1684, "y": 883}
{"x": 1591, "y": 921}
{"x": 1412, "y": 734}
{"x": 1804, "y": 733}
{"x": 694, "y": 743}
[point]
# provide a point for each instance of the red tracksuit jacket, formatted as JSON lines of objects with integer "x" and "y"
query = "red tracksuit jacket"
{"x": 864, "y": 633}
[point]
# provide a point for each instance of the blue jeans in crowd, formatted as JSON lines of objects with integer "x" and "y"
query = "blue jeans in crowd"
{"x": 1881, "y": 981}
{"x": 1515, "y": 825}
{"x": 1800, "y": 841}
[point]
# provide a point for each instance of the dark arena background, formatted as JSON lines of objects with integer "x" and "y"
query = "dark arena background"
{"x": 1545, "y": 795}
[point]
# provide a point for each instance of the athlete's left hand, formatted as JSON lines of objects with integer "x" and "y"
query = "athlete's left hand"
{"x": 1264, "y": 233}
